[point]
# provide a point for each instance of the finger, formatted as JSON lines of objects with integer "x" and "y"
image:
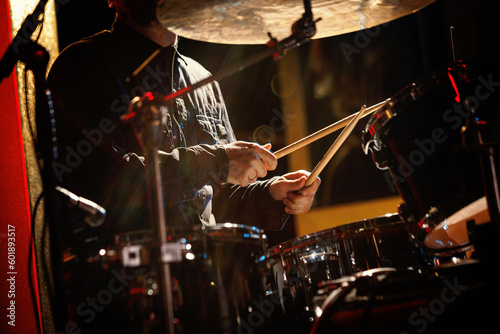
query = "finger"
{"x": 295, "y": 201}
{"x": 294, "y": 211}
{"x": 268, "y": 159}
{"x": 267, "y": 146}
{"x": 260, "y": 168}
{"x": 254, "y": 177}
{"x": 295, "y": 185}
{"x": 297, "y": 198}
{"x": 297, "y": 208}
{"x": 296, "y": 175}
{"x": 243, "y": 181}
{"x": 311, "y": 189}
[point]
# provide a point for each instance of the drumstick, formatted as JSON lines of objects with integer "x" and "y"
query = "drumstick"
{"x": 326, "y": 131}
{"x": 335, "y": 146}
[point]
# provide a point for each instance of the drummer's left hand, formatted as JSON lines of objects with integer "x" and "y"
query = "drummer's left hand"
{"x": 286, "y": 188}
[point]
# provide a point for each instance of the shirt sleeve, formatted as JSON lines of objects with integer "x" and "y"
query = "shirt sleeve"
{"x": 252, "y": 205}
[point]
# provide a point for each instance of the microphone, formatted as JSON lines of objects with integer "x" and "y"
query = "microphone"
{"x": 95, "y": 214}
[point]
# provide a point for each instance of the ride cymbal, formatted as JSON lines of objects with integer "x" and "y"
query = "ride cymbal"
{"x": 250, "y": 21}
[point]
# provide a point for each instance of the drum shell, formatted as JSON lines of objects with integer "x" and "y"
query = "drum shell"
{"x": 297, "y": 268}
{"x": 217, "y": 285}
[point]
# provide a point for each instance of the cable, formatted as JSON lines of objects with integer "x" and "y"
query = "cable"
{"x": 32, "y": 249}
{"x": 33, "y": 253}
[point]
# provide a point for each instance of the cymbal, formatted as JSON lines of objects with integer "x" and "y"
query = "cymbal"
{"x": 249, "y": 21}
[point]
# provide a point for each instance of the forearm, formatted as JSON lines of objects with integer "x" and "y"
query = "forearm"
{"x": 187, "y": 169}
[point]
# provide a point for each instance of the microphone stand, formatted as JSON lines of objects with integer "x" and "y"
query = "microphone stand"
{"x": 21, "y": 43}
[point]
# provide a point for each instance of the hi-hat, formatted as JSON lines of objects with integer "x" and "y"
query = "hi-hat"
{"x": 250, "y": 21}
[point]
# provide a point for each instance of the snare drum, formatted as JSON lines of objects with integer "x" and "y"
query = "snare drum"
{"x": 416, "y": 139}
{"x": 297, "y": 267}
{"x": 216, "y": 283}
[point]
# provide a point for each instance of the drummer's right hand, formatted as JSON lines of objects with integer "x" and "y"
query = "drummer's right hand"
{"x": 248, "y": 161}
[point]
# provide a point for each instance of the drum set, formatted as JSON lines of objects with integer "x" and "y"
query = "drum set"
{"x": 426, "y": 268}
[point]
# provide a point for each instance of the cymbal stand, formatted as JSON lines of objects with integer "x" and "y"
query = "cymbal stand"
{"x": 148, "y": 130}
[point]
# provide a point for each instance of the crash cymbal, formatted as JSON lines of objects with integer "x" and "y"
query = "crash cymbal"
{"x": 249, "y": 21}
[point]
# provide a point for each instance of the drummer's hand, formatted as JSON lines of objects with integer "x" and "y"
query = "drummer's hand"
{"x": 286, "y": 188}
{"x": 248, "y": 161}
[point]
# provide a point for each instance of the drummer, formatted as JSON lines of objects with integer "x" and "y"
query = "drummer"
{"x": 208, "y": 176}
